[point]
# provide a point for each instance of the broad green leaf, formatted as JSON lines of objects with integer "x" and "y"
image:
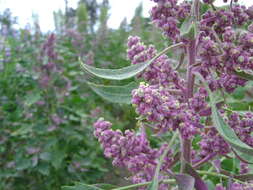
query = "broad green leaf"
{"x": 126, "y": 72}
{"x": 116, "y": 94}
{"x": 57, "y": 157}
{"x": 43, "y": 168}
{"x": 23, "y": 163}
{"x": 224, "y": 130}
{"x": 32, "y": 98}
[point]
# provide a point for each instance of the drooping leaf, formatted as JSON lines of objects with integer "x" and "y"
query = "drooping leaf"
{"x": 185, "y": 182}
{"x": 126, "y": 72}
{"x": 224, "y": 130}
{"x": 116, "y": 74}
{"x": 199, "y": 183}
{"x": 116, "y": 94}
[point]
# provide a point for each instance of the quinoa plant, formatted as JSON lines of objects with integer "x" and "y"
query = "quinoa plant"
{"x": 187, "y": 127}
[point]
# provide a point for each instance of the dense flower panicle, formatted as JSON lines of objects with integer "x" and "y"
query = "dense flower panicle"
{"x": 130, "y": 150}
{"x": 167, "y": 112}
{"x": 212, "y": 142}
{"x": 243, "y": 126}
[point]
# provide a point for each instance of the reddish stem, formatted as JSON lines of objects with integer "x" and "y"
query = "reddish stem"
{"x": 186, "y": 143}
{"x": 204, "y": 160}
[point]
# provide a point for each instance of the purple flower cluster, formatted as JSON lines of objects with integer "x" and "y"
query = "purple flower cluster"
{"x": 166, "y": 15}
{"x": 167, "y": 112}
{"x": 243, "y": 126}
{"x": 159, "y": 71}
{"x": 211, "y": 142}
{"x": 130, "y": 151}
{"x": 235, "y": 186}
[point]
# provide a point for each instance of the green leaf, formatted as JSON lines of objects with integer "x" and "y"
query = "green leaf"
{"x": 244, "y": 75}
{"x": 43, "y": 168}
{"x": 116, "y": 94}
{"x": 23, "y": 164}
{"x": 57, "y": 157}
{"x": 224, "y": 130}
{"x": 32, "y": 98}
{"x": 126, "y": 72}
{"x": 116, "y": 74}
{"x": 23, "y": 130}
{"x": 188, "y": 29}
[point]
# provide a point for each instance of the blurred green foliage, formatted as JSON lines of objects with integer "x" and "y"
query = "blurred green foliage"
{"x": 47, "y": 110}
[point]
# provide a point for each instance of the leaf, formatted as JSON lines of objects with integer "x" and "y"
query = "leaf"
{"x": 116, "y": 94}
{"x": 43, "y": 168}
{"x": 57, "y": 157}
{"x": 199, "y": 183}
{"x": 126, "y": 72}
{"x": 244, "y": 75}
{"x": 224, "y": 130}
{"x": 23, "y": 164}
{"x": 23, "y": 130}
{"x": 188, "y": 29}
{"x": 185, "y": 182}
{"x": 32, "y": 98}
{"x": 80, "y": 186}
{"x": 116, "y": 74}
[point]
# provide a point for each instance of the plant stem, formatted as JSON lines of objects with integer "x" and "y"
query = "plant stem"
{"x": 166, "y": 50}
{"x": 218, "y": 175}
{"x": 164, "y": 154}
{"x": 186, "y": 143}
{"x": 204, "y": 160}
{"x": 167, "y": 181}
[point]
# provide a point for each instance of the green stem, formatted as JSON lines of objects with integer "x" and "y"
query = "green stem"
{"x": 166, "y": 50}
{"x": 218, "y": 175}
{"x": 164, "y": 154}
